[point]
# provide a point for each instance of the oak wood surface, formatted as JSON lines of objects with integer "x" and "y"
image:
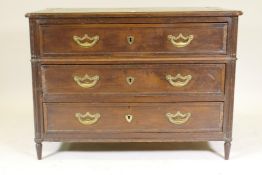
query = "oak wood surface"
{"x": 148, "y": 79}
{"x": 147, "y": 117}
{"x": 209, "y": 38}
{"x": 210, "y": 58}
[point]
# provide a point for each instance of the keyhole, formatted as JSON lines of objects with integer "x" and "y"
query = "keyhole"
{"x": 129, "y": 118}
{"x": 130, "y": 80}
{"x": 130, "y": 39}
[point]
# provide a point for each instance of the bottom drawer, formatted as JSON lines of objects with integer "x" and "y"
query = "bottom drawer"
{"x": 133, "y": 117}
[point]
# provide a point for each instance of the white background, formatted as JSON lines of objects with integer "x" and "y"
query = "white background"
{"x": 17, "y": 151}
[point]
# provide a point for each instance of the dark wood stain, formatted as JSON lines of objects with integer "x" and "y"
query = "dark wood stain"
{"x": 113, "y": 38}
{"x": 147, "y": 117}
{"x": 210, "y": 58}
{"x": 149, "y": 79}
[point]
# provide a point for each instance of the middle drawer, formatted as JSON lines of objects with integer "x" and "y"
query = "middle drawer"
{"x": 138, "y": 79}
{"x": 126, "y": 79}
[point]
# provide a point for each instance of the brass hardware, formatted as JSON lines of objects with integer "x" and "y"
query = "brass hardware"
{"x": 86, "y": 81}
{"x": 129, "y": 118}
{"x": 130, "y": 39}
{"x": 80, "y": 40}
{"x": 176, "y": 81}
{"x": 180, "y": 40}
{"x": 130, "y": 80}
{"x": 87, "y": 118}
{"x": 178, "y": 118}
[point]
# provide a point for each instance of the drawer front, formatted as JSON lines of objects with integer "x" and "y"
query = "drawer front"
{"x": 133, "y": 79}
{"x": 117, "y": 117}
{"x": 92, "y": 39}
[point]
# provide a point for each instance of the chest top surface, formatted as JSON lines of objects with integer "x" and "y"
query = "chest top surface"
{"x": 139, "y": 12}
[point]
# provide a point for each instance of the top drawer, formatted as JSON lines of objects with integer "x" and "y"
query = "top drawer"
{"x": 107, "y": 39}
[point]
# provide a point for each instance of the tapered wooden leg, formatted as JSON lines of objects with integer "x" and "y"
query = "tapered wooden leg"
{"x": 39, "y": 150}
{"x": 227, "y": 147}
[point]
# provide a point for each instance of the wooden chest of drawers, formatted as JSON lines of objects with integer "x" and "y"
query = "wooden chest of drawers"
{"x": 133, "y": 75}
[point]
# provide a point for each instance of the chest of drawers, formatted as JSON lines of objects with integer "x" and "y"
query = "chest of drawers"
{"x": 133, "y": 75}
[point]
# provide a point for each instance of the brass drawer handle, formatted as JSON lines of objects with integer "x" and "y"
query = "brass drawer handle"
{"x": 180, "y": 40}
{"x": 176, "y": 81}
{"x": 178, "y": 118}
{"x": 86, "y": 81}
{"x": 87, "y": 118}
{"x": 80, "y": 40}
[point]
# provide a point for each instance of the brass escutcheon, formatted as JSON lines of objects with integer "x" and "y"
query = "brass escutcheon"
{"x": 130, "y": 39}
{"x": 129, "y": 118}
{"x": 130, "y": 80}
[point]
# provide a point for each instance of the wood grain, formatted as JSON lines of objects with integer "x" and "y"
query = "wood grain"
{"x": 210, "y": 58}
{"x": 209, "y": 38}
{"x": 149, "y": 79}
{"x": 147, "y": 117}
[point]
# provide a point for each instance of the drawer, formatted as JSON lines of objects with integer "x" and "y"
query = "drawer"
{"x": 133, "y": 117}
{"x": 133, "y": 79}
{"x": 93, "y": 39}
